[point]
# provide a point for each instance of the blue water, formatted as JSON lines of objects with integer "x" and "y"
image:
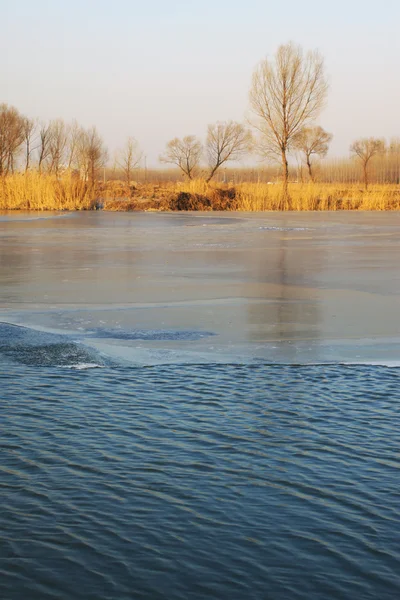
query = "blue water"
{"x": 151, "y": 446}
{"x": 208, "y": 481}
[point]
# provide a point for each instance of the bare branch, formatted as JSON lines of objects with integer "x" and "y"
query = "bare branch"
{"x": 74, "y": 132}
{"x": 29, "y": 130}
{"x": 312, "y": 141}
{"x": 44, "y": 145}
{"x": 226, "y": 141}
{"x": 92, "y": 154}
{"x": 129, "y": 158}
{"x": 287, "y": 93}
{"x": 365, "y": 149}
{"x": 57, "y": 144}
{"x": 11, "y": 137}
{"x": 185, "y": 153}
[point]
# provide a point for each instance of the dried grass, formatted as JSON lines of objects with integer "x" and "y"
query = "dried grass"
{"x": 32, "y": 191}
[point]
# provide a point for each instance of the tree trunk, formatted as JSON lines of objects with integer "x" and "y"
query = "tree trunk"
{"x": 284, "y": 203}
{"x": 92, "y": 172}
{"x": 28, "y": 154}
{"x": 310, "y": 169}
{"x": 366, "y": 176}
{"x": 212, "y": 173}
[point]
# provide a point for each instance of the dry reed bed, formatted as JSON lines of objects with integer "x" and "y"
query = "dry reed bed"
{"x": 305, "y": 197}
{"x": 32, "y": 191}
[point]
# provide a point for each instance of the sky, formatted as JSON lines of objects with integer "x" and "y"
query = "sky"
{"x": 155, "y": 70}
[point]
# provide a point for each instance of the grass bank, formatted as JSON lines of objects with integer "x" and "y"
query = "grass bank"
{"x": 197, "y": 195}
{"x": 32, "y": 191}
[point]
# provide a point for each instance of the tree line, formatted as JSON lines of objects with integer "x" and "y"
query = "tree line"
{"x": 287, "y": 94}
{"x": 51, "y": 147}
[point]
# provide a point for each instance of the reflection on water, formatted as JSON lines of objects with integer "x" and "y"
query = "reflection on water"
{"x": 304, "y": 281}
{"x": 285, "y": 315}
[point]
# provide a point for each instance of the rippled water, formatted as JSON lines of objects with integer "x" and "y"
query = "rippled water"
{"x": 212, "y": 481}
{"x": 179, "y": 418}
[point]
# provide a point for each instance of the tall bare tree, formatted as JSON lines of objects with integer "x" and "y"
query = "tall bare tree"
{"x": 74, "y": 135}
{"x": 44, "y": 145}
{"x": 312, "y": 141}
{"x": 226, "y": 141}
{"x": 92, "y": 154}
{"x": 365, "y": 149}
{"x": 11, "y": 137}
{"x": 185, "y": 153}
{"x": 128, "y": 158}
{"x": 57, "y": 144}
{"x": 29, "y": 129}
{"x": 287, "y": 93}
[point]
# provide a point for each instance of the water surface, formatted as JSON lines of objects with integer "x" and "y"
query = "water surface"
{"x": 216, "y": 481}
{"x": 303, "y": 287}
{"x": 181, "y": 415}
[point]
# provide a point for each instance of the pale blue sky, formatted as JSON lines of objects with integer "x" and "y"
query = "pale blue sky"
{"x": 157, "y": 69}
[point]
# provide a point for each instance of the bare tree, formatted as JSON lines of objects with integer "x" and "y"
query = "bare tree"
{"x": 92, "y": 154}
{"x": 11, "y": 137}
{"x": 287, "y": 93}
{"x": 365, "y": 149}
{"x": 57, "y": 144}
{"x": 29, "y": 129}
{"x": 44, "y": 145}
{"x": 185, "y": 153}
{"x": 226, "y": 141}
{"x": 129, "y": 158}
{"x": 74, "y": 134}
{"x": 394, "y": 155}
{"x": 312, "y": 141}
{"x": 81, "y": 156}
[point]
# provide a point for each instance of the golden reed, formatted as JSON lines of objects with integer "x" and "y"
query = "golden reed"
{"x": 306, "y": 196}
{"x": 32, "y": 191}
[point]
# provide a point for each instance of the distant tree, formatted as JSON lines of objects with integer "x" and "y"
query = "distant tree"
{"x": 312, "y": 141}
{"x": 226, "y": 141}
{"x": 287, "y": 93}
{"x": 57, "y": 144}
{"x": 128, "y": 158}
{"x": 29, "y": 129}
{"x": 44, "y": 145}
{"x": 394, "y": 157}
{"x": 185, "y": 153}
{"x": 394, "y": 146}
{"x": 92, "y": 154}
{"x": 11, "y": 137}
{"x": 74, "y": 134}
{"x": 365, "y": 149}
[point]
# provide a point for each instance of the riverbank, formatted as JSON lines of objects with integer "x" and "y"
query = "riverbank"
{"x": 46, "y": 192}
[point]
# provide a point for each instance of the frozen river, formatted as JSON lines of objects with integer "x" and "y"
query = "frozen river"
{"x": 289, "y": 287}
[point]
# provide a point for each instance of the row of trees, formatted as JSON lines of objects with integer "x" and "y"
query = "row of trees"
{"x": 51, "y": 147}
{"x": 56, "y": 146}
{"x": 287, "y": 95}
{"x": 230, "y": 141}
